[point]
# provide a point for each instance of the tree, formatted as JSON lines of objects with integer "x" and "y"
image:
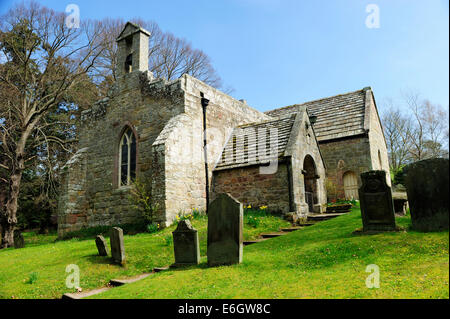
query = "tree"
{"x": 428, "y": 134}
{"x": 415, "y": 132}
{"x": 396, "y": 130}
{"x": 44, "y": 61}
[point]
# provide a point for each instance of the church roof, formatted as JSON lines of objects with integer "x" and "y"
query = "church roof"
{"x": 337, "y": 116}
{"x": 244, "y": 145}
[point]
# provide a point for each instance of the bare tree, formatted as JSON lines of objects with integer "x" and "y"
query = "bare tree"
{"x": 44, "y": 61}
{"x": 397, "y": 127}
{"x": 429, "y": 133}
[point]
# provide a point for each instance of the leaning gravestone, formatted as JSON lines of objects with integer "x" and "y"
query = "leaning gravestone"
{"x": 101, "y": 245}
{"x": 225, "y": 227}
{"x": 375, "y": 197}
{"x": 19, "y": 241}
{"x": 185, "y": 244}
{"x": 117, "y": 246}
{"x": 428, "y": 192}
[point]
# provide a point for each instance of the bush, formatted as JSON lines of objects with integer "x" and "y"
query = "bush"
{"x": 141, "y": 200}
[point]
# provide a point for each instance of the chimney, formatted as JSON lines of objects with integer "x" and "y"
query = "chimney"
{"x": 132, "y": 52}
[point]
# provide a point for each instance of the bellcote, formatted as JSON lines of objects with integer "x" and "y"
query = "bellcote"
{"x": 132, "y": 52}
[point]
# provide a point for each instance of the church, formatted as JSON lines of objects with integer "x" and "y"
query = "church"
{"x": 189, "y": 142}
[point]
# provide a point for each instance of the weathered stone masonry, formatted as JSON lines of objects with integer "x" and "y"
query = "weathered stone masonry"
{"x": 166, "y": 118}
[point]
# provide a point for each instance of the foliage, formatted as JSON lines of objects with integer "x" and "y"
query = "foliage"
{"x": 194, "y": 214}
{"x": 32, "y": 278}
{"x": 398, "y": 176}
{"x": 254, "y": 216}
{"x": 152, "y": 228}
{"x": 141, "y": 200}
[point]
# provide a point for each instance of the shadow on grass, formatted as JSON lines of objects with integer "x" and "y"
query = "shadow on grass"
{"x": 100, "y": 260}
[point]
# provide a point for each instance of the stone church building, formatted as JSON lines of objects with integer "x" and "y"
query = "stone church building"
{"x": 189, "y": 142}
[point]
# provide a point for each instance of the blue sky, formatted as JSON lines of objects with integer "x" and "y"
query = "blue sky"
{"x": 275, "y": 53}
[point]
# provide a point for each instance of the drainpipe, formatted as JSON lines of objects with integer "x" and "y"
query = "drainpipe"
{"x": 205, "y": 103}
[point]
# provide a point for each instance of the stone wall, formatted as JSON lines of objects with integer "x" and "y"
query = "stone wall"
{"x": 167, "y": 119}
{"x": 179, "y": 149}
{"x": 250, "y": 187}
{"x": 146, "y": 112}
{"x": 378, "y": 148}
{"x": 341, "y": 156}
{"x": 303, "y": 143}
{"x": 284, "y": 190}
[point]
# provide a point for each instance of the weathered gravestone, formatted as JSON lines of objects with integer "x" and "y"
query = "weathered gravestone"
{"x": 225, "y": 227}
{"x": 19, "y": 241}
{"x": 185, "y": 244}
{"x": 117, "y": 246}
{"x": 375, "y": 197}
{"x": 428, "y": 192}
{"x": 101, "y": 245}
{"x": 400, "y": 200}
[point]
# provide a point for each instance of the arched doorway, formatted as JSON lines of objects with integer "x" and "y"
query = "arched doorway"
{"x": 310, "y": 177}
{"x": 350, "y": 185}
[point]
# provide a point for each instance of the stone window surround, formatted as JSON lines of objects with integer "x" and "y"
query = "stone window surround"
{"x": 125, "y": 125}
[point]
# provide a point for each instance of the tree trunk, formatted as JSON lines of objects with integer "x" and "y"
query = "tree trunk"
{"x": 7, "y": 235}
{"x": 9, "y": 220}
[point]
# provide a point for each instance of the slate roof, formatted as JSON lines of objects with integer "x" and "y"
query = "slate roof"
{"x": 337, "y": 116}
{"x": 244, "y": 145}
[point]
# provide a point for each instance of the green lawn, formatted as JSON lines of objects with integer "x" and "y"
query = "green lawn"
{"x": 320, "y": 261}
{"x": 45, "y": 260}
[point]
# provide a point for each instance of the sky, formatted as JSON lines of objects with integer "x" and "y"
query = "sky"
{"x": 275, "y": 53}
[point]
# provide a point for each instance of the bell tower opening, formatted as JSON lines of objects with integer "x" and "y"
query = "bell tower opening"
{"x": 132, "y": 50}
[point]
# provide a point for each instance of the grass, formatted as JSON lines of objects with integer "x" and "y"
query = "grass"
{"x": 38, "y": 271}
{"x": 322, "y": 261}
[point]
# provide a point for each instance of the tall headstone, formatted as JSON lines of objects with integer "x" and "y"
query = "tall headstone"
{"x": 377, "y": 208}
{"x": 117, "y": 246}
{"x": 101, "y": 245}
{"x": 225, "y": 228}
{"x": 19, "y": 241}
{"x": 427, "y": 188}
{"x": 185, "y": 244}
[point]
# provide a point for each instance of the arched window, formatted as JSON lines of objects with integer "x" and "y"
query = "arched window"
{"x": 127, "y": 158}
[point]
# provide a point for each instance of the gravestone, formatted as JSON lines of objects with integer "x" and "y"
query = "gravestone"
{"x": 19, "y": 241}
{"x": 400, "y": 203}
{"x": 101, "y": 245}
{"x": 185, "y": 244}
{"x": 117, "y": 246}
{"x": 377, "y": 208}
{"x": 428, "y": 192}
{"x": 225, "y": 227}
